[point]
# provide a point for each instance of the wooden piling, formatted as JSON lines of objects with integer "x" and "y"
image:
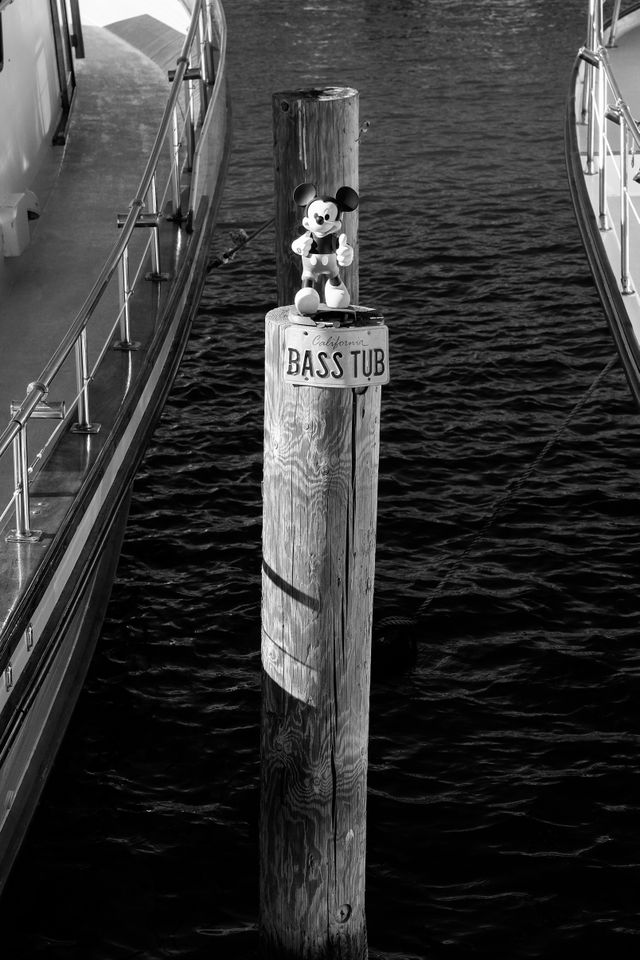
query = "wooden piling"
{"x": 315, "y": 141}
{"x": 321, "y": 450}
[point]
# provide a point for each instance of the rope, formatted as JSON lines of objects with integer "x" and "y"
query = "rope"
{"x": 245, "y": 237}
{"x": 512, "y": 489}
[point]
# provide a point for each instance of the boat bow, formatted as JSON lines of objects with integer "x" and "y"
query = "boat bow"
{"x": 602, "y": 141}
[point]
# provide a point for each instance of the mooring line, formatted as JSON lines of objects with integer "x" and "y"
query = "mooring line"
{"x": 245, "y": 238}
{"x": 512, "y": 489}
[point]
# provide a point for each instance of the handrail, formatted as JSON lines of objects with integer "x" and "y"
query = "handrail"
{"x": 199, "y": 35}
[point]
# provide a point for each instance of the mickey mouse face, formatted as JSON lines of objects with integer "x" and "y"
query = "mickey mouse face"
{"x": 322, "y": 213}
{"x": 322, "y": 218}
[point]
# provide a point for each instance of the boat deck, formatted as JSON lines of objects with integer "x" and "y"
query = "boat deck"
{"x": 82, "y": 187}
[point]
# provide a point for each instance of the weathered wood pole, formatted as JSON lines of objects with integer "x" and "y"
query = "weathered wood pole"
{"x": 315, "y": 135}
{"x": 321, "y": 449}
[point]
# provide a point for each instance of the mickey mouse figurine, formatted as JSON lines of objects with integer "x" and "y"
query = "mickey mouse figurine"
{"x": 323, "y": 247}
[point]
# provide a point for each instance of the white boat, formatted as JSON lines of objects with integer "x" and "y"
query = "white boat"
{"x": 602, "y": 141}
{"x": 114, "y": 123}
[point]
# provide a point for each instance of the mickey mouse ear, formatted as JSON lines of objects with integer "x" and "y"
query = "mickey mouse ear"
{"x": 347, "y": 198}
{"x": 304, "y": 194}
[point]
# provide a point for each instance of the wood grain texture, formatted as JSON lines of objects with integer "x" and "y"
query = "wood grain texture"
{"x": 321, "y": 449}
{"x": 315, "y": 141}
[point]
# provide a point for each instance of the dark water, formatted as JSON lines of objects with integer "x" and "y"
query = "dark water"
{"x": 504, "y": 782}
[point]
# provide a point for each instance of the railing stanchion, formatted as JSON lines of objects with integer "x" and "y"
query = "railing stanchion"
{"x": 125, "y": 316}
{"x": 83, "y": 379}
{"x": 175, "y": 165}
{"x": 23, "y": 532}
{"x": 590, "y": 124}
{"x": 591, "y": 135}
{"x": 625, "y": 280}
{"x": 590, "y": 79}
{"x": 211, "y": 66}
{"x": 614, "y": 24}
{"x": 584, "y": 108}
{"x": 125, "y": 343}
{"x": 23, "y": 511}
{"x": 189, "y": 125}
{"x": 204, "y": 63}
{"x": 602, "y": 151}
{"x": 155, "y": 240}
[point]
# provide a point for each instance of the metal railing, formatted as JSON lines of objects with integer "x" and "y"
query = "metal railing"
{"x": 192, "y": 88}
{"x": 612, "y": 136}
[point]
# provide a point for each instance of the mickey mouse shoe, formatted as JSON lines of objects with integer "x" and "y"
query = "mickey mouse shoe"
{"x": 336, "y": 296}
{"x": 307, "y": 301}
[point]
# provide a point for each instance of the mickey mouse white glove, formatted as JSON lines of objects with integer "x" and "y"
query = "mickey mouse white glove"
{"x": 302, "y": 245}
{"x": 344, "y": 253}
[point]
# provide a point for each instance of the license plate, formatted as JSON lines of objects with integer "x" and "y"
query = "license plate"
{"x": 336, "y": 356}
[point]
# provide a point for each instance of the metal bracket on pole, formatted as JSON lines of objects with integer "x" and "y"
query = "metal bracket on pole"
{"x": 45, "y": 410}
{"x": 193, "y": 73}
{"x": 150, "y": 221}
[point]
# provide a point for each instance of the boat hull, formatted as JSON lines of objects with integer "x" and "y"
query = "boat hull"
{"x": 27, "y": 764}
